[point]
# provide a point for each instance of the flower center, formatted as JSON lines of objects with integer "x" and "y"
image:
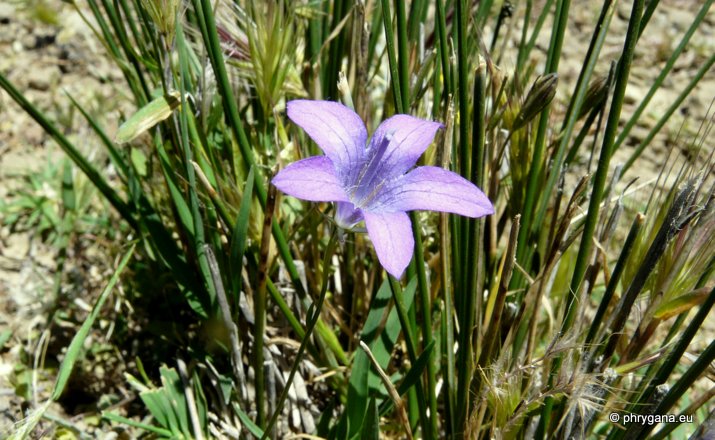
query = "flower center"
{"x": 368, "y": 184}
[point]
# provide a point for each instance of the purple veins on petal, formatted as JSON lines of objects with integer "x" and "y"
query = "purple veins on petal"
{"x": 410, "y": 138}
{"x": 337, "y": 130}
{"x": 434, "y": 189}
{"x": 311, "y": 179}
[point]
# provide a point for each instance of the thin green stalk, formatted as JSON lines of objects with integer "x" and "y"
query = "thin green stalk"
{"x": 183, "y": 128}
{"x": 126, "y": 45}
{"x": 139, "y": 39}
{"x": 333, "y": 62}
{"x": 259, "y": 307}
{"x": 532, "y": 186}
{"x": 312, "y": 320}
{"x": 422, "y": 284}
{"x": 392, "y": 56}
{"x": 635, "y": 117}
{"x": 443, "y": 49}
{"x": 418, "y": 10}
{"x": 524, "y": 54}
{"x": 599, "y": 182}
{"x": 114, "y": 51}
{"x": 400, "y": 85}
{"x": 475, "y": 254}
{"x": 485, "y": 6}
{"x": 206, "y": 18}
{"x": 615, "y": 277}
{"x": 524, "y": 33}
{"x": 403, "y": 315}
{"x": 462, "y": 166}
{"x": 403, "y": 54}
{"x": 669, "y": 112}
{"x": 575, "y": 104}
{"x": 647, "y": 14}
{"x": 427, "y": 331}
{"x": 87, "y": 168}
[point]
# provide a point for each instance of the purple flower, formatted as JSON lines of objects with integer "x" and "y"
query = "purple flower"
{"x": 368, "y": 180}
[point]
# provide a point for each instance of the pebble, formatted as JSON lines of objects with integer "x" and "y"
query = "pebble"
{"x": 7, "y": 12}
{"x": 42, "y": 78}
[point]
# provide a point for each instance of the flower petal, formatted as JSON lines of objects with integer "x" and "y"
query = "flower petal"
{"x": 410, "y": 138}
{"x": 337, "y": 130}
{"x": 391, "y": 234}
{"x": 433, "y": 189}
{"x": 311, "y": 179}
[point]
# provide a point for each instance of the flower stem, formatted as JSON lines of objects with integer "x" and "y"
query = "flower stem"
{"x": 312, "y": 321}
{"x": 402, "y": 314}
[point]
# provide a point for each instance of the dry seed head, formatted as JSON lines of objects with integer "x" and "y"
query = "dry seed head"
{"x": 163, "y": 13}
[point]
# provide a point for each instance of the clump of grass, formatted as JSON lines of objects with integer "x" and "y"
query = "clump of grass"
{"x": 524, "y": 324}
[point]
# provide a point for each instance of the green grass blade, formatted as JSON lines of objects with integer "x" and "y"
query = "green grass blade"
{"x": 658, "y": 81}
{"x": 648, "y": 140}
{"x": 129, "y": 422}
{"x": 87, "y": 168}
{"x": 254, "y": 429}
{"x": 74, "y": 350}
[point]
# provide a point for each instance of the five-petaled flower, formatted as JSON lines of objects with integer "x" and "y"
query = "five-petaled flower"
{"x": 370, "y": 182}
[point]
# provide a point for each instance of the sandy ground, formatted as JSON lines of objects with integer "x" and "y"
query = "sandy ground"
{"x": 47, "y": 60}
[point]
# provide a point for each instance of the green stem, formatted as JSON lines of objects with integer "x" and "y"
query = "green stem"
{"x": 599, "y": 182}
{"x": 391, "y": 55}
{"x": 533, "y": 187}
{"x": 208, "y": 26}
{"x": 669, "y": 112}
{"x": 312, "y": 321}
{"x": 575, "y": 104}
{"x": 403, "y": 55}
{"x": 663, "y": 73}
{"x": 615, "y": 277}
{"x": 403, "y": 315}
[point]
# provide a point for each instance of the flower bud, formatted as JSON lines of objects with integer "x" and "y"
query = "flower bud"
{"x": 540, "y": 95}
{"x": 595, "y": 94}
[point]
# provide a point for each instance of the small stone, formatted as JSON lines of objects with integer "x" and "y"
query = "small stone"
{"x": 7, "y": 12}
{"x": 42, "y": 78}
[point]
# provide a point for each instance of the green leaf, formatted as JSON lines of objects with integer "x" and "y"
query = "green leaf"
{"x": 139, "y": 161}
{"x": 681, "y": 304}
{"x": 240, "y": 233}
{"x": 248, "y": 423}
{"x": 154, "y": 402}
{"x": 75, "y": 349}
{"x": 68, "y": 194}
{"x": 372, "y": 422}
{"x": 148, "y": 116}
{"x": 381, "y": 341}
{"x": 117, "y": 418}
{"x": 175, "y": 396}
{"x": 382, "y": 346}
